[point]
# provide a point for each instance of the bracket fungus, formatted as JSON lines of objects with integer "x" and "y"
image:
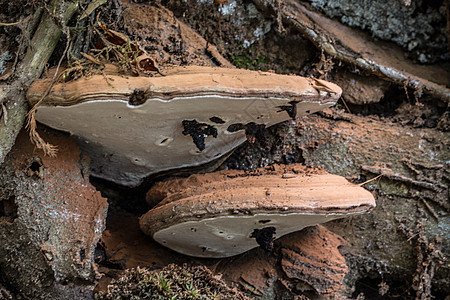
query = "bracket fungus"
{"x": 133, "y": 127}
{"x": 229, "y": 212}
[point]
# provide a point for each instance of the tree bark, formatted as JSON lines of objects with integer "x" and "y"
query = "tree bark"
{"x": 13, "y": 91}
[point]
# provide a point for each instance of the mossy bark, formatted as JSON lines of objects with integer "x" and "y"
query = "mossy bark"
{"x": 12, "y": 92}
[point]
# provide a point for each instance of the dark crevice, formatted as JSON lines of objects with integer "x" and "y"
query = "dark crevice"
{"x": 8, "y": 209}
{"x": 255, "y": 132}
{"x": 290, "y": 109}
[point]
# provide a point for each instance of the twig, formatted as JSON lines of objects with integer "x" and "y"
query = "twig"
{"x": 217, "y": 26}
{"x": 345, "y": 104}
{"x": 35, "y": 138}
{"x": 370, "y": 180}
{"x": 430, "y": 209}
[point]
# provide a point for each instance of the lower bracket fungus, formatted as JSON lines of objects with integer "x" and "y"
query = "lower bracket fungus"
{"x": 131, "y": 135}
{"x": 229, "y": 212}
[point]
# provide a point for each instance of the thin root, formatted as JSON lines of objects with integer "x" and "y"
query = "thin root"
{"x": 10, "y": 24}
{"x": 35, "y": 138}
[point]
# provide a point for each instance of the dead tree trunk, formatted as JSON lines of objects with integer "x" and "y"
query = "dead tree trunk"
{"x": 13, "y": 90}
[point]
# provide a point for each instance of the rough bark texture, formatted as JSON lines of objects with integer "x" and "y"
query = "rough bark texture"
{"x": 12, "y": 92}
{"x": 312, "y": 257}
{"x": 413, "y": 187}
{"x": 356, "y": 49}
{"x": 51, "y": 220}
{"x": 307, "y": 262}
{"x": 407, "y": 23}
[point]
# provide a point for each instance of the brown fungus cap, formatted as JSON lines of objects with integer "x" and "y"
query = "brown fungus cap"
{"x": 224, "y": 213}
{"x": 133, "y": 127}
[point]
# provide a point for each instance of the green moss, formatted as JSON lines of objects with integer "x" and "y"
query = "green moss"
{"x": 172, "y": 282}
{"x": 246, "y": 60}
{"x": 394, "y": 188}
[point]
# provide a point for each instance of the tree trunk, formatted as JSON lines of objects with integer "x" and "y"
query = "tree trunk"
{"x": 12, "y": 92}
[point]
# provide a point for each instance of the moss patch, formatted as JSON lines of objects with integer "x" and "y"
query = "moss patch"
{"x": 172, "y": 282}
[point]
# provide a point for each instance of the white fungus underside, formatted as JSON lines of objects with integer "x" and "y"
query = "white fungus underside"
{"x": 128, "y": 143}
{"x": 226, "y": 236}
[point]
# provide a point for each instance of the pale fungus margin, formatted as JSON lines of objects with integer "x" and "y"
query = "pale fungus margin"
{"x": 229, "y": 212}
{"x": 133, "y": 127}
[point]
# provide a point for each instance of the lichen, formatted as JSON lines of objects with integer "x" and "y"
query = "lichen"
{"x": 4, "y": 57}
{"x": 419, "y": 27}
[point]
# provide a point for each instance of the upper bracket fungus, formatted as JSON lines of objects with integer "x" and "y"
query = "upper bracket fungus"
{"x": 229, "y": 212}
{"x": 133, "y": 127}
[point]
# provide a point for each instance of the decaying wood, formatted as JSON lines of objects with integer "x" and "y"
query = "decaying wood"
{"x": 345, "y": 44}
{"x": 312, "y": 257}
{"x": 12, "y": 92}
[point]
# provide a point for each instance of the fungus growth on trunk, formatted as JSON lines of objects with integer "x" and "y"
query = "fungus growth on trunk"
{"x": 229, "y": 212}
{"x": 133, "y": 127}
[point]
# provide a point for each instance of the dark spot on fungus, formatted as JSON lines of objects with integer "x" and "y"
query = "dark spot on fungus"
{"x": 137, "y": 98}
{"x": 198, "y": 132}
{"x": 290, "y": 109}
{"x": 255, "y": 132}
{"x": 217, "y": 120}
{"x": 8, "y": 209}
{"x": 264, "y": 238}
{"x": 235, "y": 127}
{"x": 264, "y": 221}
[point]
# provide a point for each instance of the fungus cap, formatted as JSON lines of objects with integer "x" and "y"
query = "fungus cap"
{"x": 133, "y": 127}
{"x": 222, "y": 214}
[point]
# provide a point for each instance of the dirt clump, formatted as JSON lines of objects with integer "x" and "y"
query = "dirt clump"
{"x": 360, "y": 90}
